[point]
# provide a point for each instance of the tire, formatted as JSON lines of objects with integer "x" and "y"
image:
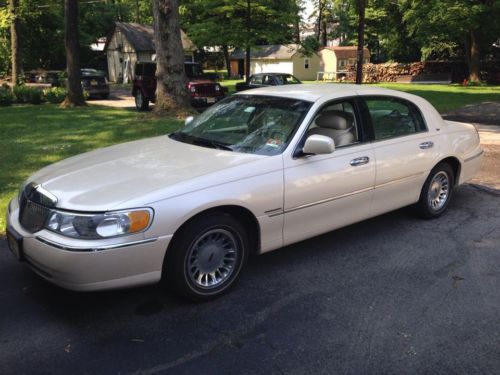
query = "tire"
{"x": 141, "y": 103}
{"x": 436, "y": 192}
{"x": 206, "y": 257}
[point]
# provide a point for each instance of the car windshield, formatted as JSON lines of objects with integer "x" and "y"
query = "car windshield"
{"x": 193, "y": 70}
{"x": 245, "y": 123}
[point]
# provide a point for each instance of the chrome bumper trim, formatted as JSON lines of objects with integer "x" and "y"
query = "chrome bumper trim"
{"x": 473, "y": 157}
{"x": 92, "y": 249}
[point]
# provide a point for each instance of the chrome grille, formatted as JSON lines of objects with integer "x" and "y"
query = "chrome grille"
{"x": 33, "y": 214}
{"x": 205, "y": 89}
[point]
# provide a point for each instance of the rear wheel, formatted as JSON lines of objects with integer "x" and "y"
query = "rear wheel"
{"x": 141, "y": 103}
{"x": 206, "y": 257}
{"x": 436, "y": 192}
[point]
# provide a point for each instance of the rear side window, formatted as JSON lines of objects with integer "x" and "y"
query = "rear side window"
{"x": 257, "y": 80}
{"x": 394, "y": 117}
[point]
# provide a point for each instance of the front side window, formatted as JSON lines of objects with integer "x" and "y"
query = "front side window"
{"x": 246, "y": 123}
{"x": 337, "y": 121}
{"x": 394, "y": 117}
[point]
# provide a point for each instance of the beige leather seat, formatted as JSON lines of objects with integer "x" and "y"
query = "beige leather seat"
{"x": 337, "y": 125}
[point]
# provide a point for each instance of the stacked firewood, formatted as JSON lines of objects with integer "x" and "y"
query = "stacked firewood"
{"x": 388, "y": 72}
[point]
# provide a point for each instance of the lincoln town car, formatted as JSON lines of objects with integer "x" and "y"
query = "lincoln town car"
{"x": 257, "y": 171}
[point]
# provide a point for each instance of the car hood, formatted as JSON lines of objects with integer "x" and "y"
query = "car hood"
{"x": 142, "y": 171}
{"x": 195, "y": 81}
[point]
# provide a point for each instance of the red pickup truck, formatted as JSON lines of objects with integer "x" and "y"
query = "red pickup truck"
{"x": 203, "y": 91}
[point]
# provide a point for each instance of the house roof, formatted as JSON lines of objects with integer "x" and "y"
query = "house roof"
{"x": 141, "y": 37}
{"x": 273, "y": 51}
{"x": 347, "y": 51}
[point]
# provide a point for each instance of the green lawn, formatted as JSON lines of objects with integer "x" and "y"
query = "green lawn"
{"x": 34, "y": 136}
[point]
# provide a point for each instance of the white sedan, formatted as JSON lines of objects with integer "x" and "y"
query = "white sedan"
{"x": 257, "y": 171}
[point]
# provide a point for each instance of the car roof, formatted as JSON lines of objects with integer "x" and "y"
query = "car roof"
{"x": 315, "y": 91}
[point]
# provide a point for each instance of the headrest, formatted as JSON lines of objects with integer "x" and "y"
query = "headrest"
{"x": 337, "y": 120}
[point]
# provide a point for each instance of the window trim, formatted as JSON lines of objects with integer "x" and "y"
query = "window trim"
{"x": 367, "y": 119}
{"x": 363, "y": 134}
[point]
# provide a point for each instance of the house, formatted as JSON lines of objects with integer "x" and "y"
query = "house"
{"x": 132, "y": 42}
{"x": 277, "y": 58}
{"x": 335, "y": 60}
{"x": 328, "y": 63}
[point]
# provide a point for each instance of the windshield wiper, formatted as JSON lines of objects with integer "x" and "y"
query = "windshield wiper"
{"x": 186, "y": 138}
{"x": 210, "y": 143}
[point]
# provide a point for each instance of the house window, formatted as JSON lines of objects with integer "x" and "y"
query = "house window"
{"x": 306, "y": 63}
{"x": 342, "y": 63}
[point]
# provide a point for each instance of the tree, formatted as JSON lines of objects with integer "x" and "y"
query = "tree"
{"x": 171, "y": 90}
{"x": 15, "y": 50}
{"x": 74, "y": 97}
{"x": 361, "y": 5}
{"x": 241, "y": 23}
{"x": 454, "y": 27}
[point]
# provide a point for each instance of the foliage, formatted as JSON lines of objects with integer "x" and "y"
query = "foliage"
{"x": 26, "y": 94}
{"x": 35, "y": 136}
{"x": 6, "y": 96}
{"x": 54, "y": 95}
{"x": 239, "y": 23}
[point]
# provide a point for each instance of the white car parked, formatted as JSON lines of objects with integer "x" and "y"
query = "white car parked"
{"x": 257, "y": 171}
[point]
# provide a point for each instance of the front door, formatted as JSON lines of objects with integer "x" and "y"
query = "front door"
{"x": 325, "y": 192}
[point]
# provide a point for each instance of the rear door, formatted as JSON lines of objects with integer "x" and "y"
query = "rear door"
{"x": 405, "y": 151}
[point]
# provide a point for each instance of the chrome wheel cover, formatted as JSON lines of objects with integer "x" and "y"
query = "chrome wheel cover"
{"x": 212, "y": 258}
{"x": 439, "y": 190}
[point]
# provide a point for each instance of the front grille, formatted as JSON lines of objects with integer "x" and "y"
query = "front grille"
{"x": 33, "y": 210}
{"x": 206, "y": 89}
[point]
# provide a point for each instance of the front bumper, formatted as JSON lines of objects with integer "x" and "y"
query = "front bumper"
{"x": 198, "y": 101}
{"x": 89, "y": 265}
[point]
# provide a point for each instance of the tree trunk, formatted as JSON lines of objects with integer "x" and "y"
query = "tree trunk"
{"x": 227, "y": 60}
{"x": 318, "y": 25}
{"x": 14, "y": 41}
{"x": 474, "y": 58}
{"x": 247, "y": 64}
{"x": 74, "y": 97}
{"x": 361, "y": 33}
{"x": 324, "y": 34}
{"x": 247, "y": 49}
{"x": 172, "y": 94}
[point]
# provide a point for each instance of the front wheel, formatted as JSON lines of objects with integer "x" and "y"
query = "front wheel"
{"x": 206, "y": 257}
{"x": 436, "y": 192}
{"x": 141, "y": 103}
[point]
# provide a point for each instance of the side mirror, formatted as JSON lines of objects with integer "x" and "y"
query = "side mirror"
{"x": 188, "y": 120}
{"x": 317, "y": 144}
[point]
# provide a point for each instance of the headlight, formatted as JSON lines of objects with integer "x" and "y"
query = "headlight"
{"x": 95, "y": 226}
{"x": 192, "y": 88}
{"x": 217, "y": 88}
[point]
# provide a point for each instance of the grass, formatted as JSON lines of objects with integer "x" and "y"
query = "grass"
{"x": 35, "y": 136}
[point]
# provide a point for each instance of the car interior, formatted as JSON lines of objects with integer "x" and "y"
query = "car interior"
{"x": 338, "y": 122}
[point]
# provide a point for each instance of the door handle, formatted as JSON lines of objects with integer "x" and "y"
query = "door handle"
{"x": 359, "y": 161}
{"x": 425, "y": 145}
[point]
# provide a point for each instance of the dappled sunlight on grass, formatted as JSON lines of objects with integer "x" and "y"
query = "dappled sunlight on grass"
{"x": 32, "y": 137}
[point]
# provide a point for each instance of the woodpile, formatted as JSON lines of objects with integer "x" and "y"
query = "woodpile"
{"x": 402, "y": 72}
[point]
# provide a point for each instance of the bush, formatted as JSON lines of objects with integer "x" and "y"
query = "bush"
{"x": 55, "y": 95}
{"x": 6, "y": 96}
{"x": 25, "y": 94}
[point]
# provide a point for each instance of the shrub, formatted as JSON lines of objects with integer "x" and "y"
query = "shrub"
{"x": 6, "y": 96}
{"x": 25, "y": 94}
{"x": 55, "y": 95}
